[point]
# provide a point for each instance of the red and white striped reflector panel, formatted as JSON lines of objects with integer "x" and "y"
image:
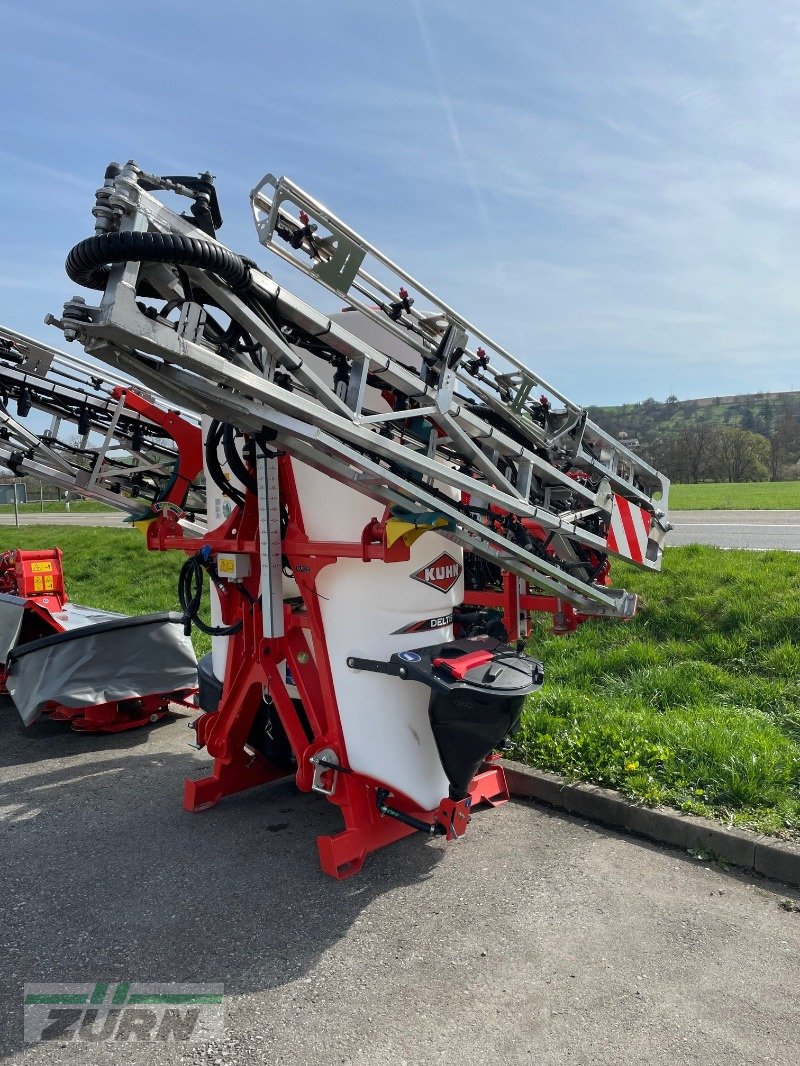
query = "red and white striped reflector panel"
{"x": 629, "y": 530}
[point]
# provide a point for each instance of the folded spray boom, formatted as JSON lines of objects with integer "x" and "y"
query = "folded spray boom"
{"x": 462, "y": 423}
{"x": 98, "y": 434}
{"x": 355, "y": 466}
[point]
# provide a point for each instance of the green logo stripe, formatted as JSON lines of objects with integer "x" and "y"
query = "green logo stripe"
{"x": 121, "y": 993}
{"x": 57, "y": 997}
{"x": 174, "y": 998}
{"x": 99, "y": 993}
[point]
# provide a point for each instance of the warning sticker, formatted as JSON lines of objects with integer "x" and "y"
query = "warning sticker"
{"x": 38, "y": 584}
{"x": 42, "y": 568}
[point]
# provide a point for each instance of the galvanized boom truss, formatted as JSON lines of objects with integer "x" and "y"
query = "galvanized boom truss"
{"x": 460, "y": 439}
{"x": 95, "y": 443}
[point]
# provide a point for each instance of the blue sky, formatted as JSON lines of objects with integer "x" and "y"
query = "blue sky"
{"x": 610, "y": 187}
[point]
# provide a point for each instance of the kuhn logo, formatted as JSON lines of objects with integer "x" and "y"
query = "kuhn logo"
{"x": 441, "y": 574}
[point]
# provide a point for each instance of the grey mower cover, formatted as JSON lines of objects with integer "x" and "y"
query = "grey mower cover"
{"x": 71, "y": 616}
{"x": 119, "y": 659}
{"x": 12, "y": 609}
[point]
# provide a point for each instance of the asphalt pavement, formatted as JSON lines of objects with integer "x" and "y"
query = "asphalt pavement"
{"x": 538, "y": 938}
{"x": 760, "y": 530}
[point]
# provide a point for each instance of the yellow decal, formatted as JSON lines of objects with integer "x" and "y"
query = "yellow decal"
{"x": 41, "y": 568}
{"x": 48, "y": 583}
{"x": 38, "y": 584}
{"x": 225, "y": 566}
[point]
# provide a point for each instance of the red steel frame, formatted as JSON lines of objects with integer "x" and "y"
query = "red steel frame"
{"x": 187, "y": 437}
{"x": 516, "y": 601}
{"x": 254, "y": 667}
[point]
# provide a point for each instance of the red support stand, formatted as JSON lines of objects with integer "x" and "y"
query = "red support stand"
{"x": 244, "y": 771}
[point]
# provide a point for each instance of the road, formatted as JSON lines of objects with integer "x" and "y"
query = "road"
{"x": 737, "y": 529}
{"x": 537, "y": 939}
{"x": 725, "y": 529}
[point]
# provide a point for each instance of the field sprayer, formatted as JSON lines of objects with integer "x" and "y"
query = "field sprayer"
{"x": 351, "y": 462}
{"x": 84, "y": 429}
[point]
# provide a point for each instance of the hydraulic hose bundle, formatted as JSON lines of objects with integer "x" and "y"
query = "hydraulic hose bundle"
{"x": 190, "y": 595}
{"x": 87, "y": 263}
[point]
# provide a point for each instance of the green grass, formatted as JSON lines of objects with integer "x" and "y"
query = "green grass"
{"x": 755, "y": 496}
{"x": 55, "y": 507}
{"x": 694, "y": 703}
{"x": 112, "y": 569}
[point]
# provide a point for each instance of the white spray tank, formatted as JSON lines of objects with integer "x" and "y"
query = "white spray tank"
{"x": 372, "y": 610}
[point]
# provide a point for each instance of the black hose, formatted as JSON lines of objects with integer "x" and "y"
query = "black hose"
{"x": 87, "y": 263}
{"x": 235, "y": 461}
{"x": 190, "y": 595}
{"x": 215, "y": 435}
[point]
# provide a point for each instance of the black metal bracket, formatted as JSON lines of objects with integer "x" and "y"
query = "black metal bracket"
{"x": 430, "y": 829}
{"x": 376, "y": 667}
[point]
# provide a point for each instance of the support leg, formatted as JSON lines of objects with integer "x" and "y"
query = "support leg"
{"x": 342, "y": 854}
{"x": 242, "y": 772}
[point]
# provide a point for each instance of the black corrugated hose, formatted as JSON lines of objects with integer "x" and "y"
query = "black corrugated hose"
{"x": 215, "y": 434}
{"x": 87, "y": 263}
{"x": 190, "y": 594}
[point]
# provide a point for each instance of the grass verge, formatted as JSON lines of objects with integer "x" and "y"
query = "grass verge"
{"x": 56, "y": 507}
{"x": 753, "y": 496}
{"x": 694, "y": 703}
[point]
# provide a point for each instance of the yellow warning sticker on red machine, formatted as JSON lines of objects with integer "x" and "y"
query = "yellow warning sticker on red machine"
{"x": 38, "y": 584}
{"x": 42, "y": 568}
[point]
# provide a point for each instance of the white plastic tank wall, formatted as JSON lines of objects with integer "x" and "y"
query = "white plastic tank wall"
{"x": 365, "y": 607}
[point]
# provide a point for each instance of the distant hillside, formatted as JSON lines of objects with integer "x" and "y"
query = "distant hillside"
{"x": 758, "y": 412}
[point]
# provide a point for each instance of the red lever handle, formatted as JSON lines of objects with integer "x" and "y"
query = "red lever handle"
{"x": 464, "y": 663}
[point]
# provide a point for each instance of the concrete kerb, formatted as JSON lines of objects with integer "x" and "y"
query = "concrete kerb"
{"x": 763, "y": 855}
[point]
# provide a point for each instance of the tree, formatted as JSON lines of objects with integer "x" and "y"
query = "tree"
{"x": 741, "y": 455}
{"x": 748, "y": 418}
{"x": 784, "y": 443}
{"x": 699, "y": 444}
{"x": 767, "y": 417}
{"x": 686, "y": 456}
